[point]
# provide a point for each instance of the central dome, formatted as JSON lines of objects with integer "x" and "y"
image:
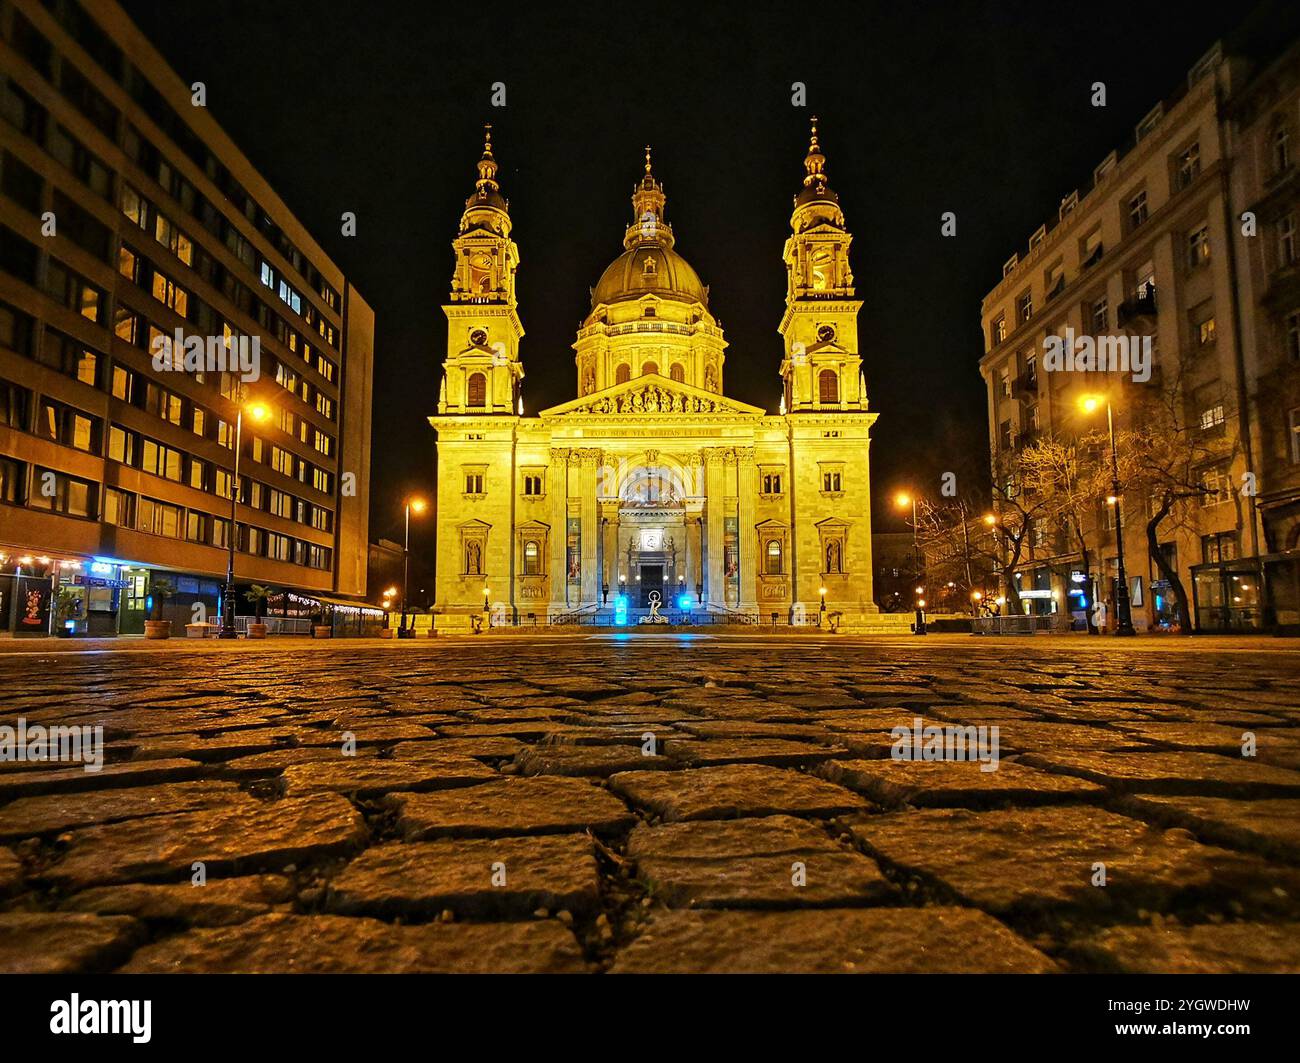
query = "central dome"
{"x": 649, "y": 268}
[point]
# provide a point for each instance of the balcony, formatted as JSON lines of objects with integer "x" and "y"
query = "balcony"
{"x": 1142, "y": 305}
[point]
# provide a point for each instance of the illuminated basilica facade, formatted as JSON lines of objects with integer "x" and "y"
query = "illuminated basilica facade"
{"x": 652, "y": 479}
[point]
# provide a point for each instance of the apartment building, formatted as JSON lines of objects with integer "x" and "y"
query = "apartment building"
{"x": 127, "y": 218}
{"x": 1264, "y": 127}
{"x": 1143, "y": 251}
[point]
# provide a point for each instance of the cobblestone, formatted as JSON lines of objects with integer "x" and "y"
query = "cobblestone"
{"x": 500, "y": 815}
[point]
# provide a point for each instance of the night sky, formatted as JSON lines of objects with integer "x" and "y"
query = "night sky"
{"x": 983, "y": 110}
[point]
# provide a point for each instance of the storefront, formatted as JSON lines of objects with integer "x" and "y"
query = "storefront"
{"x": 1227, "y": 596}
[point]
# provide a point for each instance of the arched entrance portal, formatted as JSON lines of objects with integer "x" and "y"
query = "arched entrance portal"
{"x": 653, "y": 540}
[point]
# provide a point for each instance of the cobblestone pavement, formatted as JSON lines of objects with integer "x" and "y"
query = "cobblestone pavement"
{"x": 654, "y": 804}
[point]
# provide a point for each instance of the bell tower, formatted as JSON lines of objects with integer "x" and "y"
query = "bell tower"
{"x": 482, "y": 371}
{"x": 821, "y": 368}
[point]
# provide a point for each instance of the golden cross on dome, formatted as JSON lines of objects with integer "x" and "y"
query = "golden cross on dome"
{"x": 647, "y": 158}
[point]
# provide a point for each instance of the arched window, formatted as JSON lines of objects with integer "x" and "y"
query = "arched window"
{"x": 476, "y": 390}
{"x": 828, "y": 386}
{"x": 532, "y": 558}
{"x": 774, "y": 557}
{"x": 649, "y": 368}
{"x": 677, "y": 373}
{"x": 622, "y": 373}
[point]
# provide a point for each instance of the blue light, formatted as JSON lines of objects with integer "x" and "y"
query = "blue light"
{"x": 70, "y": 625}
{"x": 684, "y": 602}
{"x": 620, "y": 611}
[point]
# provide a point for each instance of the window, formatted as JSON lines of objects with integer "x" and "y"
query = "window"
{"x": 1295, "y": 435}
{"x": 1216, "y": 486}
{"x": 15, "y": 401}
{"x": 1000, "y": 328}
{"x": 60, "y": 493}
{"x": 1024, "y": 306}
{"x": 1212, "y": 417}
{"x": 160, "y": 460}
{"x": 476, "y": 390}
{"x": 1205, "y": 332}
{"x": 1293, "y": 335}
{"x": 1004, "y": 435}
{"x": 771, "y": 483}
{"x": 622, "y": 373}
{"x": 119, "y": 508}
{"x": 1286, "y": 241}
{"x": 533, "y": 485}
{"x": 649, "y": 369}
{"x": 1004, "y": 381}
{"x": 831, "y": 482}
{"x": 158, "y": 518}
{"x": 532, "y": 558}
{"x": 774, "y": 555}
{"x": 1189, "y": 166}
{"x": 1221, "y": 546}
{"x": 11, "y": 481}
{"x": 1100, "y": 316}
{"x": 1137, "y": 209}
{"x": 1281, "y": 146}
{"x": 474, "y": 483}
{"x": 828, "y": 386}
{"x": 196, "y": 527}
{"x": 677, "y": 373}
{"x": 1198, "y": 247}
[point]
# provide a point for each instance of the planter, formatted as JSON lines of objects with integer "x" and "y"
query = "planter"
{"x": 257, "y": 631}
{"x": 385, "y": 632}
{"x": 322, "y": 631}
{"x": 157, "y": 629}
{"x": 197, "y": 631}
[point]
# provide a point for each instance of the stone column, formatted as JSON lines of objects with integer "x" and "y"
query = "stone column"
{"x": 559, "y": 491}
{"x": 746, "y": 486}
{"x": 716, "y": 492}
{"x": 590, "y": 527}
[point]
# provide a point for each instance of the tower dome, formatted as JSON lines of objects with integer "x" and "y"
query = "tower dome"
{"x": 649, "y": 265}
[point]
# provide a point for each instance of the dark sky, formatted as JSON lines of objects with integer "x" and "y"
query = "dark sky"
{"x": 981, "y": 109}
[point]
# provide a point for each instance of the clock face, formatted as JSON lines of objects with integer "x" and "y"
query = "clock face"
{"x": 478, "y": 337}
{"x": 826, "y": 333}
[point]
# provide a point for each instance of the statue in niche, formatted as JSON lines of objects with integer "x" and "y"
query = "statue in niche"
{"x": 652, "y": 400}
{"x": 709, "y": 379}
{"x": 473, "y": 558}
{"x": 833, "y": 556}
{"x": 588, "y": 380}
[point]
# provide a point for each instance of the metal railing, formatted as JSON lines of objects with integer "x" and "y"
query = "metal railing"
{"x": 1019, "y": 625}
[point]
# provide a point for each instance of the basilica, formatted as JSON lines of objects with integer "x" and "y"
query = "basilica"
{"x": 651, "y": 490}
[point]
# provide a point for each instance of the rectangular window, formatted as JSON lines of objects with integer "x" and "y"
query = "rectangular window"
{"x": 473, "y": 483}
{"x": 1137, "y": 210}
{"x": 1212, "y": 417}
{"x": 1205, "y": 332}
{"x": 1286, "y": 241}
{"x": 1100, "y": 316}
{"x": 1293, "y": 335}
{"x": 1024, "y": 306}
{"x": 1000, "y": 328}
{"x": 60, "y": 493}
{"x": 771, "y": 483}
{"x": 1189, "y": 166}
{"x": 832, "y": 481}
{"x": 1198, "y": 247}
{"x": 533, "y": 485}
{"x": 1295, "y": 435}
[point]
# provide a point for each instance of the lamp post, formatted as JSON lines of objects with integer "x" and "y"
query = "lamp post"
{"x": 487, "y": 616}
{"x": 904, "y": 499}
{"x": 257, "y": 411}
{"x": 1123, "y": 610}
{"x": 418, "y": 505}
{"x": 821, "y": 612}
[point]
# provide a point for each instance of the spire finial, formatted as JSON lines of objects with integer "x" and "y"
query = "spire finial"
{"x": 487, "y": 137}
{"x": 647, "y": 158}
{"x": 814, "y": 162}
{"x": 487, "y": 166}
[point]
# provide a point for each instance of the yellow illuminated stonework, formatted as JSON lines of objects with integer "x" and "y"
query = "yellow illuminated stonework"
{"x": 652, "y": 479}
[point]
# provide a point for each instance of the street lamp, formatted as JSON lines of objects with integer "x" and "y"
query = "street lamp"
{"x": 487, "y": 616}
{"x": 417, "y": 506}
{"x": 821, "y": 613}
{"x": 903, "y": 500}
{"x": 1124, "y": 614}
{"x": 257, "y": 412}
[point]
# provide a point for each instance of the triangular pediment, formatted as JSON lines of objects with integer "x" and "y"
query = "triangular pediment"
{"x": 653, "y": 396}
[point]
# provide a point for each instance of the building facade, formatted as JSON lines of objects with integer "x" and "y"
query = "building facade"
{"x": 651, "y": 485}
{"x": 132, "y": 223}
{"x": 1158, "y": 248}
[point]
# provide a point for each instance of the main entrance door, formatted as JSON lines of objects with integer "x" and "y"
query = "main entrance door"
{"x": 652, "y": 579}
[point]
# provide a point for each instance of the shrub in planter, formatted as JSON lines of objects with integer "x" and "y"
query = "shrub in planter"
{"x": 65, "y": 608}
{"x": 258, "y": 595}
{"x": 160, "y": 590}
